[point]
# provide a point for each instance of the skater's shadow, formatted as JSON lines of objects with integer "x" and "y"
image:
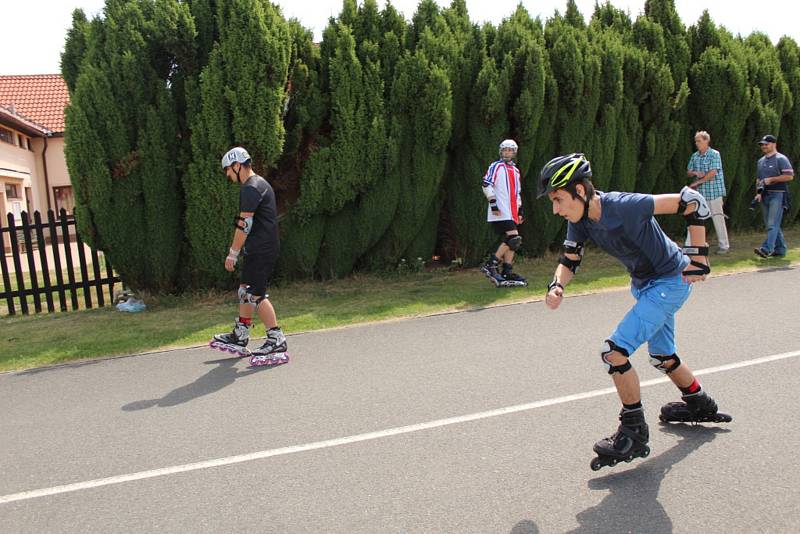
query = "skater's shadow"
{"x": 632, "y": 505}
{"x": 224, "y": 374}
{"x": 525, "y": 527}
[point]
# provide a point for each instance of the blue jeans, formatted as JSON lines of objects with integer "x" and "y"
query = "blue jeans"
{"x": 652, "y": 318}
{"x": 772, "y": 209}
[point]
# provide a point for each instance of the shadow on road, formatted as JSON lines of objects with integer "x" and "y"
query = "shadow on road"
{"x": 224, "y": 374}
{"x": 632, "y": 505}
{"x": 525, "y": 527}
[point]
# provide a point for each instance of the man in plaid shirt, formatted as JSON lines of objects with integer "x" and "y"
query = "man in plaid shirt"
{"x": 705, "y": 167}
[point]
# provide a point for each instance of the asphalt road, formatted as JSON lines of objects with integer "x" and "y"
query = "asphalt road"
{"x": 468, "y": 422}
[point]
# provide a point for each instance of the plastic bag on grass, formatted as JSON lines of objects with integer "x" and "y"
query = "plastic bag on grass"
{"x": 132, "y": 305}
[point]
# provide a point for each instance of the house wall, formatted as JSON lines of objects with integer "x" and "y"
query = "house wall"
{"x": 18, "y": 168}
{"x": 57, "y": 173}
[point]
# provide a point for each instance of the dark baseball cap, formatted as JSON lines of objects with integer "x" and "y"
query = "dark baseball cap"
{"x": 768, "y": 139}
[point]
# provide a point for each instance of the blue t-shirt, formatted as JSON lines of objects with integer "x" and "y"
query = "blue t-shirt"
{"x": 628, "y": 231}
{"x": 775, "y": 165}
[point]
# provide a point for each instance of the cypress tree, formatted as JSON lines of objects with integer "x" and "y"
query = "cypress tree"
{"x": 420, "y": 127}
{"x": 789, "y": 56}
{"x": 129, "y": 202}
{"x": 242, "y": 93}
{"x": 74, "y": 49}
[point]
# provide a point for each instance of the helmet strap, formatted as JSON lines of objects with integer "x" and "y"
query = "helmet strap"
{"x": 585, "y": 208}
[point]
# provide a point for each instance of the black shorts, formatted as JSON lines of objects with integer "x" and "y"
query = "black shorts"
{"x": 501, "y": 227}
{"x": 256, "y": 271}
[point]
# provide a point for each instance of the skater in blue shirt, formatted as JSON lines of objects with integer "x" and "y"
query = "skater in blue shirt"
{"x": 623, "y": 225}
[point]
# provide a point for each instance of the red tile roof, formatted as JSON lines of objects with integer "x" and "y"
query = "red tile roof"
{"x": 39, "y": 97}
{"x": 15, "y": 120}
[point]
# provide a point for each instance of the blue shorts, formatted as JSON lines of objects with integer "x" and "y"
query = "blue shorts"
{"x": 652, "y": 318}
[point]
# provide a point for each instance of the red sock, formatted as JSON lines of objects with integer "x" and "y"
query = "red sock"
{"x": 694, "y": 387}
{"x": 247, "y": 321}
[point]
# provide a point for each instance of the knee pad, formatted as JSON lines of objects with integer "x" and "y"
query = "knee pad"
{"x": 513, "y": 241}
{"x": 660, "y": 362}
{"x": 246, "y": 297}
{"x": 609, "y": 347}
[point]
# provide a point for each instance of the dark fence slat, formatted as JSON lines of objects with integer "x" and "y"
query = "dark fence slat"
{"x": 87, "y": 292}
{"x": 43, "y": 290}
{"x": 68, "y": 256}
{"x": 32, "y": 272}
{"x": 32, "y": 231}
{"x": 98, "y": 287}
{"x": 110, "y": 277}
{"x": 43, "y": 260}
{"x": 23, "y": 301}
{"x": 12, "y": 310}
{"x": 51, "y": 225}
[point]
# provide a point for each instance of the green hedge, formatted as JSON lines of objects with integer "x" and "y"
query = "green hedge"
{"x": 376, "y": 139}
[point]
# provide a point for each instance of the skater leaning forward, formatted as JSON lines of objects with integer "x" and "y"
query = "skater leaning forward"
{"x": 623, "y": 225}
{"x": 256, "y": 239}
{"x": 501, "y": 186}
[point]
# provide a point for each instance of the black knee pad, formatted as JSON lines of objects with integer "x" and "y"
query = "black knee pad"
{"x": 661, "y": 362}
{"x": 609, "y": 347}
{"x": 513, "y": 241}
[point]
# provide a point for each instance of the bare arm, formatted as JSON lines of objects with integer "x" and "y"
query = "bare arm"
{"x": 562, "y": 277}
{"x": 708, "y": 177}
{"x": 670, "y": 204}
{"x": 239, "y": 237}
{"x": 778, "y": 179}
{"x": 667, "y": 204}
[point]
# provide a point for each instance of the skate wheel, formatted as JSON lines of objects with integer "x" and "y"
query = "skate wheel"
{"x": 596, "y": 464}
{"x": 645, "y": 452}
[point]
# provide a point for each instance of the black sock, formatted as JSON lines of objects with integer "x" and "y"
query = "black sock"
{"x": 634, "y": 406}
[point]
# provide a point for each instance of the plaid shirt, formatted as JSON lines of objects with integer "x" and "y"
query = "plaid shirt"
{"x": 704, "y": 163}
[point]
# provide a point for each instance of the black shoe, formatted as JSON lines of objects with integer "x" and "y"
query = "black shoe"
{"x": 761, "y": 252}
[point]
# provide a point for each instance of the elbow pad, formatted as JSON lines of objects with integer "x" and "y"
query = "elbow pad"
{"x": 701, "y": 212}
{"x": 571, "y": 247}
{"x": 245, "y": 224}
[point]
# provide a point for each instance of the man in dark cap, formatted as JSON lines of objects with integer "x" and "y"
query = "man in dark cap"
{"x": 774, "y": 171}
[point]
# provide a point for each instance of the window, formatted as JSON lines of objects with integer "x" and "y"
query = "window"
{"x": 12, "y": 191}
{"x": 7, "y": 136}
{"x": 64, "y": 199}
{"x": 30, "y": 147}
{"x": 21, "y": 140}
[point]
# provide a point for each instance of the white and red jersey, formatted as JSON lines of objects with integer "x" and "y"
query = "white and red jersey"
{"x": 502, "y": 182}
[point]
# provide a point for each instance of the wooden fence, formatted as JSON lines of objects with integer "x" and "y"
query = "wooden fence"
{"x": 41, "y": 268}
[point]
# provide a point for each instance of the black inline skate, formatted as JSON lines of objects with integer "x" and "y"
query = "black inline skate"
{"x": 512, "y": 279}
{"x": 628, "y": 442}
{"x": 490, "y": 269}
{"x": 696, "y": 408}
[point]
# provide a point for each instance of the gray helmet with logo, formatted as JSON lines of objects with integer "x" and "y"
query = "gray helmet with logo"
{"x": 235, "y": 155}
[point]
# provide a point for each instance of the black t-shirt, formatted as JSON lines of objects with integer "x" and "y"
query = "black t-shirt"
{"x": 257, "y": 196}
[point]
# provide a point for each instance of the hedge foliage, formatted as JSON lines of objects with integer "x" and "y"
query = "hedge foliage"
{"x": 376, "y": 138}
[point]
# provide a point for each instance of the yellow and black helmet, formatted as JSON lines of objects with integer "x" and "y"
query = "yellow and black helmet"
{"x": 561, "y": 171}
